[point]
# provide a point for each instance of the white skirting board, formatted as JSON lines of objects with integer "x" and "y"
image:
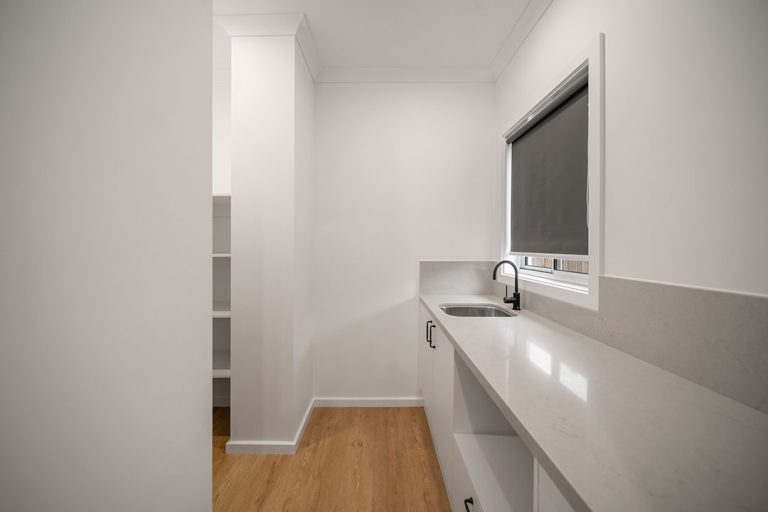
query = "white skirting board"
{"x": 272, "y": 447}
{"x": 289, "y": 447}
{"x": 415, "y": 401}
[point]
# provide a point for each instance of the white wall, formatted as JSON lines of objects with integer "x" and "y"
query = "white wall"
{"x": 272, "y": 166}
{"x": 263, "y": 106}
{"x": 222, "y": 116}
{"x": 403, "y": 172}
{"x": 105, "y": 217}
{"x": 686, "y": 125}
{"x": 303, "y": 194}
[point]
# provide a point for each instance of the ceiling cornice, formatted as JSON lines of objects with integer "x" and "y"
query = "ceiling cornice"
{"x": 243, "y": 25}
{"x": 331, "y": 74}
{"x": 308, "y": 48}
{"x": 266, "y": 25}
{"x": 519, "y": 33}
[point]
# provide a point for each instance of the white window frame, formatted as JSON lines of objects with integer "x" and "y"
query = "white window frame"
{"x": 579, "y": 289}
{"x": 574, "y": 278}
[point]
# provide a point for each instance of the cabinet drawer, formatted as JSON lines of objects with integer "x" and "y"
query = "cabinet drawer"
{"x": 461, "y": 485}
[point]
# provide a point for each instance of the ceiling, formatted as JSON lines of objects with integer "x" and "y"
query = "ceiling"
{"x": 460, "y": 35}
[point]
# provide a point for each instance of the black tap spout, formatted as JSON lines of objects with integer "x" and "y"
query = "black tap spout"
{"x": 515, "y": 299}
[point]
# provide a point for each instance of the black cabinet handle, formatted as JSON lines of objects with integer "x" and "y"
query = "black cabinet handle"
{"x": 467, "y": 502}
{"x": 426, "y": 332}
{"x": 429, "y": 338}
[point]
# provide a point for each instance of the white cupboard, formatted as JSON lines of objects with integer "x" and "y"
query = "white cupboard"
{"x": 485, "y": 465}
{"x": 425, "y": 357}
{"x": 462, "y": 494}
{"x": 441, "y": 419}
{"x": 436, "y": 382}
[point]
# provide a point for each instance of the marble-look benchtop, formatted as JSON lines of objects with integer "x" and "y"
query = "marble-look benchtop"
{"x": 614, "y": 432}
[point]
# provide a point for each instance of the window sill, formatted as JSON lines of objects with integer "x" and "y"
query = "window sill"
{"x": 557, "y": 283}
{"x": 571, "y": 293}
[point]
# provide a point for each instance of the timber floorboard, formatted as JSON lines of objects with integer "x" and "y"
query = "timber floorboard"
{"x": 349, "y": 459}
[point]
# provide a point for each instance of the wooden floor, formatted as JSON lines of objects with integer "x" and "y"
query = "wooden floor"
{"x": 356, "y": 459}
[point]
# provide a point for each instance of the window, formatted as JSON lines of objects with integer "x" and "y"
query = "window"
{"x": 547, "y": 192}
{"x": 553, "y": 265}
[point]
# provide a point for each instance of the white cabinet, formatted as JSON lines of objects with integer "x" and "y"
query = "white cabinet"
{"x": 435, "y": 363}
{"x": 485, "y": 465}
{"x": 462, "y": 494}
{"x": 425, "y": 357}
{"x": 499, "y": 469}
{"x": 548, "y": 497}
{"x": 441, "y": 417}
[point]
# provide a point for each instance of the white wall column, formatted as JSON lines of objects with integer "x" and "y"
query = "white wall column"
{"x": 271, "y": 377}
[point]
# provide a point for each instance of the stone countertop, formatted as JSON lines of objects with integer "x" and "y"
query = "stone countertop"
{"x": 614, "y": 432}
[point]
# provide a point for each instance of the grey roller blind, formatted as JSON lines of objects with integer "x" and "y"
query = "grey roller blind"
{"x": 549, "y": 182}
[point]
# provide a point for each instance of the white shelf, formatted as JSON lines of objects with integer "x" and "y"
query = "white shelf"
{"x": 222, "y": 200}
{"x": 500, "y": 467}
{"x": 221, "y": 362}
{"x": 222, "y": 310}
{"x": 222, "y": 255}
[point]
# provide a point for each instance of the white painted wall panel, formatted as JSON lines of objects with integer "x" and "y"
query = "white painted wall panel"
{"x": 263, "y": 243}
{"x": 105, "y": 215}
{"x": 404, "y": 172}
{"x": 221, "y": 110}
{"x": 304, "y": 202}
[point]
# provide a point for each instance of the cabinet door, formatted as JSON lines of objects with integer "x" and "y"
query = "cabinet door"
{"x": 548, "y": 497}
{"x": 424, "y": 359}
{"x": 441, "y": 420}
{"x": 461, "y": 486}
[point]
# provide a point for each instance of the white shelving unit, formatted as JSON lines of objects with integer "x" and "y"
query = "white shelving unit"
{"x": 221, "y": 310}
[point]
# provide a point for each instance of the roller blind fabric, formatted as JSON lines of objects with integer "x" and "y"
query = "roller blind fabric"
{"x": 549, "y": 182}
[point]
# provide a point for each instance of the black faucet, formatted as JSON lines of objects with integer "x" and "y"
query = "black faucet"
{"x": 515, "y": 298}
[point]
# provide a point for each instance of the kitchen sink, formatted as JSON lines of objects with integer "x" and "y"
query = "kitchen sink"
{"x": 485, "y": 310}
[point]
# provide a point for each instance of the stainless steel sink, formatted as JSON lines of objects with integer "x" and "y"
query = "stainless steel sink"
{"x": 476, "y": 310}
